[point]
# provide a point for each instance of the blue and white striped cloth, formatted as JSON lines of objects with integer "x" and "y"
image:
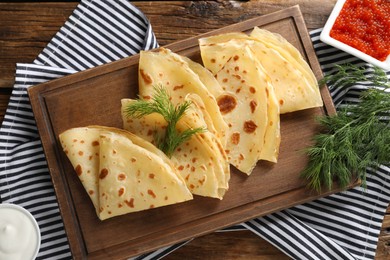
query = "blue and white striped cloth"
{"x": 341, "y": 226}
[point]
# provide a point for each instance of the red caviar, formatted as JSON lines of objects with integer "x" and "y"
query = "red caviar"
{"x": 365, "y": 25}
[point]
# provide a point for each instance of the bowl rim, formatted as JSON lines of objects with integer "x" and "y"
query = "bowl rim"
{"x": 325, "y": 37}
{"x": 33, "y": 221}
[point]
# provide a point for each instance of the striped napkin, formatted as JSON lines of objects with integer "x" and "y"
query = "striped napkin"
{"x": 341, "y": 226}
{"x": 97, "y": 32}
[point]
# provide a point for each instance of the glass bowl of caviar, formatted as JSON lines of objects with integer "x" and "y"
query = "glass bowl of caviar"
{"x": 361, "y": 28}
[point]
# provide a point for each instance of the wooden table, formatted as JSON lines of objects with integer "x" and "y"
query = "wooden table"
{"x": 26, "y": 28}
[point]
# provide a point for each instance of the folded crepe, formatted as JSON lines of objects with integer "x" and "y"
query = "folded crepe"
{"x": 248, "y": 106}
{"x": 122, "y": 172}
{"x": 172, "y": 71}
{"x": 286, "y": 49}
{"x": 294, "y": 82}
{"x": 82, "y": 147}
{"x": 131, "y": 178}
{"x": 270, "y": 149}
{"x": 201, "y": 160}
{"x": 306, "y": 93}
{"x": 216, "y": 50}
{"x": 209, "y": 144}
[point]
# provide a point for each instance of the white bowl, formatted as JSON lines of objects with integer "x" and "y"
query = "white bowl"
{"x": 325, "y": 37}
{"x": 20, "y": 237}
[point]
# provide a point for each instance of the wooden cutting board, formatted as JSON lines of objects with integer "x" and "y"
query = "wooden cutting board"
{"x": 93, "y": 97}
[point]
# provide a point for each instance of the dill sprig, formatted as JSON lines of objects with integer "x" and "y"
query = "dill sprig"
{"x": 348, "y": 74}
{"x": 356, "y": 138}
{"x": 161, "y": 104}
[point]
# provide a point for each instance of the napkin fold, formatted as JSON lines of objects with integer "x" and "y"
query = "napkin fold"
{"x": 345, "y": 225}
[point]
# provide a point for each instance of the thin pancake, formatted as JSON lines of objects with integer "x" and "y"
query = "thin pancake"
{"x": 171, "y": 71}
{"x": 275, "y": 40}
{"x": 222, "y": 49}
{"x": 201, "y": 161}
{"x": 207, "y": 78}
{"x": 294, "y": 83}
{"x": 304, "y": 92}
{"x": 81, "y": 145}
{"x": 214, "y": 54}
{"x": 244, "y": 108}
{"x": 198, "y": 117}
{"x": 132, "y": 178}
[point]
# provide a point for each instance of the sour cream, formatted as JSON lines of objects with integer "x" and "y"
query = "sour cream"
{"x": 20, "y": 237}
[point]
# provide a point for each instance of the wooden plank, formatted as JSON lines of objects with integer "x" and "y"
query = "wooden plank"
{"x": 383, "y": 249}
{"x": 211, "y": 15}
{"x": 30, "y": 26}
{"x": 238, "y": 245}
{"x": 4, "y": 98}
{"x": 25, "y": 29}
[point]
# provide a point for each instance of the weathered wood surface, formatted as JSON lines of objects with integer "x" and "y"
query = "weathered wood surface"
{"x": 26, "y": 28}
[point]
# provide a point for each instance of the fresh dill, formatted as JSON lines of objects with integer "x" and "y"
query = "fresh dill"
{"x": 356, "y": 138}
{"x": 161, "y": 104}
{"x": 348, "y": 74}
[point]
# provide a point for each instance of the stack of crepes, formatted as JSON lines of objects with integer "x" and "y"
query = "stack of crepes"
{"x": 201, "y": 161}
{"x": 261, "y": 76}
{"x": 122, "y": 172}
{"x": 246, "y": 82}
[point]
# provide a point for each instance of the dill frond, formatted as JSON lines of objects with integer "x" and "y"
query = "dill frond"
{"x": 162, "y": 105}
{"x": 356, "y": 138}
